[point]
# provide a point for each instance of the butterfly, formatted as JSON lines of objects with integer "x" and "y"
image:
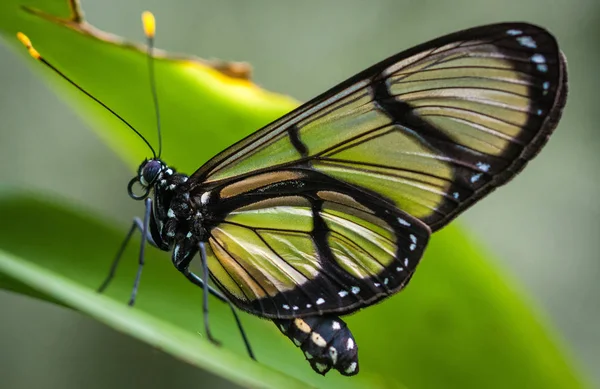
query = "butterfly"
{"x": 329, "y": 209}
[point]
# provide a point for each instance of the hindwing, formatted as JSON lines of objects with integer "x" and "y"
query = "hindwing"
{"x": 294, "y": 242}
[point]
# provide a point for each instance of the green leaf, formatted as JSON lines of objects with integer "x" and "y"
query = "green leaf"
{"x": 199, "y": 103}
{"x": 459, "y": 324}
{"x": 67, "y": 256}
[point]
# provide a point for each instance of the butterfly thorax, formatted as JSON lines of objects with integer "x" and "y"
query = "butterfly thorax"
{"x": 175, "y": 221}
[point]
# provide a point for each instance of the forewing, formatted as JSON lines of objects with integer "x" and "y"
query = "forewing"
{"x": 293, "y": 243}
{"x": 431, "y": 130}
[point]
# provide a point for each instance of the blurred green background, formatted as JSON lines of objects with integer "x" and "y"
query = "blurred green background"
{"x": 543, "y": 227}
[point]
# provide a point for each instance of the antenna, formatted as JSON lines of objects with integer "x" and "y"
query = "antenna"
{"x": 149, "y": 30}
{"x": 36, "y": 55}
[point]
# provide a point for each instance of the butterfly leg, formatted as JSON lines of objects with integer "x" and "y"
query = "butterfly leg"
{"x": 205, "y": 274}
{"x": 200, "y": 282}
{"x": 137, "y": 224}
{"x": 183, "y": 253}
{"x": 141, "y": 258}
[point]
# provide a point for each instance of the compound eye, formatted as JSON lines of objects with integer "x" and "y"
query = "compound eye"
{"x": 150, "y": 172}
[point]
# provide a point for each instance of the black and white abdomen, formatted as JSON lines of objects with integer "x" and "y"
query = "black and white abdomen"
{"x": 326, "y": 342}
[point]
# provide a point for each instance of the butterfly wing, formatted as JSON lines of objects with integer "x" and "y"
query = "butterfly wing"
{"x": 433, "y": 128}
{"x": 295, "y": 242}
{"x": 421, "y": 136}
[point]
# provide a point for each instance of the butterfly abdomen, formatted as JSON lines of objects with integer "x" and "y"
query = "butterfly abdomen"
{"x": 326, "y": 342}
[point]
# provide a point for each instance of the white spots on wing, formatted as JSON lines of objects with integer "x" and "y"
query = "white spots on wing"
{"x": 455, "y": 195}
{"x": 538, "y": 58}
{"x": 320, "y": 301}
{"x": 514, "y": 32}
{"x": 406, "y": 262}
{"x": 484, "y": 167}
{"x": 169, "y": 172}
{"x": 308, "y": 306}
{"x": 343, "y": 293}
{"x": 302, "y": 325}
{"x": 527, "y": 41}
{"x": 413, "y": 242}
{"x": 351, "y": 368}
{"x": 204, "y": 198}
{"x": 170, "y": 213}
{"x": 355, "y": 290}
{"x": 540, "y": 112}
{"x": 320, "y": 367}
{"x": 286, "y": 307}
{"x": 318, "y": 339}
{"x": 546, "y": 86}
{"x": 186, "y": 195}
{"x": 172, "y": 186}
{"x": 170, "y": 233}
{"x": 295, "y": 308}
{"x": 184, "y": 179}
{"x": 297, "y": 342}
{"x": 336, "y": 325}
{"x": 163, "y": 182}
{"x": 349, "y": 344}
{"x": 188, "y": 235}
{"x": 377, "y": 284}
{"x": 403, "y": 222}
{"x": 333, "y": 354}
{"x": 399, "y": 269}
{"x": 385, "y": 281}
{"x": 308, "y": 355}
{"x": 282, "y": 328}
{"x": 475, "y": 178}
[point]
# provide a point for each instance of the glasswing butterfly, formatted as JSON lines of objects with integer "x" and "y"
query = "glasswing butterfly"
{"x": 329, "y": 209}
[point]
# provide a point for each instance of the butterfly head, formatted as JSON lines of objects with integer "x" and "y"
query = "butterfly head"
{"x": 149, "y": 173}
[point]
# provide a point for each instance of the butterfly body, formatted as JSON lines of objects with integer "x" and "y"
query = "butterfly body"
{"x": 172, "y": 216}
